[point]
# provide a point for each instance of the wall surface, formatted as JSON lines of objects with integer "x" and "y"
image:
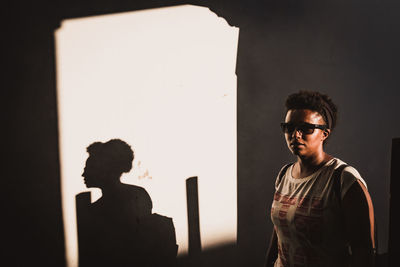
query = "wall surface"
{"x": 348, "y": 49}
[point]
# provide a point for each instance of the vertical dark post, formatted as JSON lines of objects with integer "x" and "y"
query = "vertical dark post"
{"x": 192, "y": 198}
{"x": 82, "y": 202}
{"x": 394, "y": 221}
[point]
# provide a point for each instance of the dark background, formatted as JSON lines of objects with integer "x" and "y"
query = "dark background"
{"x": 348, "y": 49}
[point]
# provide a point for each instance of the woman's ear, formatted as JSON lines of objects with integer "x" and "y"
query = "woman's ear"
{"x": 326, "y": 133}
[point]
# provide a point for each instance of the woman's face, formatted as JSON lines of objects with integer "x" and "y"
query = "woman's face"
{"x": 303, "y": 143}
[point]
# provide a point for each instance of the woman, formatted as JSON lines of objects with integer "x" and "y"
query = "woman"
{"x": 321, "y": 217}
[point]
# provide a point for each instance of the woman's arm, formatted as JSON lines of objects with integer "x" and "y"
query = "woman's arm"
{"x": 359, "y": 223}
{"x": 272, "y": 252}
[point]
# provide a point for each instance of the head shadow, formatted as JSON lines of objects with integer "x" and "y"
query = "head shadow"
{"x": 106, "y": 163}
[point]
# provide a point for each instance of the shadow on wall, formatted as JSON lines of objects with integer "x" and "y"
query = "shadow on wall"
{"x": 226, "y": 255}
{"x": 119, "y": 229}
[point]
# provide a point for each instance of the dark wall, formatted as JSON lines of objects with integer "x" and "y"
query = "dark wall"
{"x": 348, "y": 49}
{"x": 33, "y": 231}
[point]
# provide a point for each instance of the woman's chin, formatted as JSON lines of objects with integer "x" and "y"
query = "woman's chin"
{"x": 297, "y": 151}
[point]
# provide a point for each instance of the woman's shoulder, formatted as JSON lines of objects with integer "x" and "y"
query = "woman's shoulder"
{"x": 348, "y": 171}
{"x": 348, "y": 176}
{"x": 284, "y": 169}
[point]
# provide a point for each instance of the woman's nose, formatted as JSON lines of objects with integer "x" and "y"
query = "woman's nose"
{"x": 296, "y": 134}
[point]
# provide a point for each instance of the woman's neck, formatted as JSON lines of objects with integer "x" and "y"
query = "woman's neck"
{"x": 305, "y": 166}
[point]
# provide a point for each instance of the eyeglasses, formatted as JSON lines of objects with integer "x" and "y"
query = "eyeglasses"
{"x": 303, "y": 128}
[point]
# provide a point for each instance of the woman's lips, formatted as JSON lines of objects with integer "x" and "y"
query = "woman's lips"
{"x": 296, "y": 144}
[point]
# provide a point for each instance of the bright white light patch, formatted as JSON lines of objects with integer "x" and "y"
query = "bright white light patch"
{"x": 163, "y": 80}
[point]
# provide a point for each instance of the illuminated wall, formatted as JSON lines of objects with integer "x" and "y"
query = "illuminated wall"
{"x": 163, "y": 80}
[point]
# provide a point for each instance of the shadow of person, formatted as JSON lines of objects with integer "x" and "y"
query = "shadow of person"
{"x": 119, "y": 229}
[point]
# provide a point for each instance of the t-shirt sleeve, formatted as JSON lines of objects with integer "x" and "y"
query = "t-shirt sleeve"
{"x": 349, "y": 176}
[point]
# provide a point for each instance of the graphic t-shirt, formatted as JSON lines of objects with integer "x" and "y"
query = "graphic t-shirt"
{"x": 307, "y": 217}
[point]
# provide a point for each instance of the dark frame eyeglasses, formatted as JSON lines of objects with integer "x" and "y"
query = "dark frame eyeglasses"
{"x": 304, "y": 128}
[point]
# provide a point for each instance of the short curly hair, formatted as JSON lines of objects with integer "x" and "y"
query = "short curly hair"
{"x": 116, "y": 153}
{"x": 315, "y": 101}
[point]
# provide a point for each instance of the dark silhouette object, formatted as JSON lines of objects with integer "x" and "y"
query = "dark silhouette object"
{"x": 192, "y": 197}
{"x": 120, "y": 229}
{"x": 393, "y": 249}
{"x": 193, "y": 216}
